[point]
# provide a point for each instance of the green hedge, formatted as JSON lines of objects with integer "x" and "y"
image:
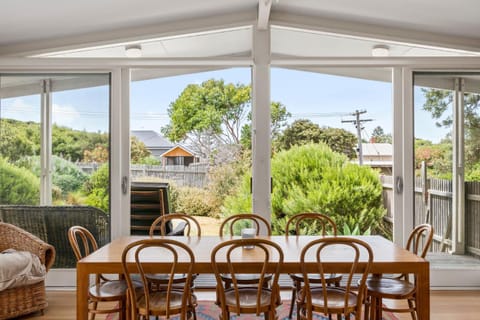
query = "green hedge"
{"x": 17, "y": 185}
{"x": 313, "y": 178}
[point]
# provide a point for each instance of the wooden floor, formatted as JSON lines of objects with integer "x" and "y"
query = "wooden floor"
{"x": 445, "y": 305}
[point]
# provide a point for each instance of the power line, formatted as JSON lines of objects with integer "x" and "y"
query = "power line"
{"x": 358, "y": 124}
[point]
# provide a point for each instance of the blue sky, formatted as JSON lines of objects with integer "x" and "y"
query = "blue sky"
{"x": 324, "y": 99}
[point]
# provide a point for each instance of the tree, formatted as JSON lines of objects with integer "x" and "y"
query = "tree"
{"x": 213, "y": 107}
{"x": 99, "y": 154}
{"x": 379, "y": 136}
{"x": 138, "y": 150}
{"x": 303, "y": 131}
{"x": 215, "y": 115}
{"x": 439, "y": 104}
{"x": 278, "y": 116}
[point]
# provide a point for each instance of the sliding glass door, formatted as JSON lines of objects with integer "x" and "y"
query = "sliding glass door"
{"x": 54, "y": 150}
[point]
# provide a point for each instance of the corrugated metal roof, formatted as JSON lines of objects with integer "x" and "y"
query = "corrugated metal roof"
{"x": 377, "y": 149}
{"x": 152, "y": 139}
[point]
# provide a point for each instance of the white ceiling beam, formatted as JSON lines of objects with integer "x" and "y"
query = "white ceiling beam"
{"x": 102, "y": 64}
{"x": 373, "y": 32}
{"x": 264, "y": 7}
{"x": 131, "y": 34}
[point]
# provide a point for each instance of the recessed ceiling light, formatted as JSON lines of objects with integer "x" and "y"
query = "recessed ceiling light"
{"x": 380, "y": 51}
{"x": 133, "y": 51}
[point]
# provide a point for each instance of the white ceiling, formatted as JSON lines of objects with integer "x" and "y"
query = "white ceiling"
{"x": 193, "y": 28}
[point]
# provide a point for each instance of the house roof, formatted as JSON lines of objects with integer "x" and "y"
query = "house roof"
{"x": 377, "y": 149}
{"x": 215, "y": 28}
{"x": 152, "y": 139}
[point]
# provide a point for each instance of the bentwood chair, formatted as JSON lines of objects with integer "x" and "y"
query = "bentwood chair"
{"x": 346, "y": 300}
{"x": 166, "y": 300}
{"x": 190, "y": 227}
{"x": 188, "y": 224}
{"x": 251, "y": 298}
{"x": 232, "y": 225}
{"x": 310, "y": 223}
{"x": 381, "y": 287}
{"x": 104, "y": 290}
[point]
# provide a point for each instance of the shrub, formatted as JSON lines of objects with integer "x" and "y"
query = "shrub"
{"x": 97, "y": 188}
{"x": 17, "y": 185}
{"x": 313, "y": 178}
{"x": 66, "y": 175}
{"x": 192, "y": 201}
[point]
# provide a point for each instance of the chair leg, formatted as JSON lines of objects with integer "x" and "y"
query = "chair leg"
{"x": 378, "y": 307}
{"x": 95, "y": 304}
{"x": 412, "y": 307}
{"x": 366, "y": 305}
{"x": 292, "y": 302}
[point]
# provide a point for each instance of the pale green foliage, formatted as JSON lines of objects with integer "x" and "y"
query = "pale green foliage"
{"x": 312, "y": 178}
{"x": 66, "y": 176}
{"x": 17, "y": 185}
{"x": 192, "y": 201}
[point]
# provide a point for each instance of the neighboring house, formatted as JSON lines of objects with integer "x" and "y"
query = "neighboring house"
{"x": 178, "y": 155}
{"x": 155, "y": 142}
{"x": 378, "y": 155}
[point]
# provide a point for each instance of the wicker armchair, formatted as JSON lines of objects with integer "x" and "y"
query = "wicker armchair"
{"x": 22, "y": 300}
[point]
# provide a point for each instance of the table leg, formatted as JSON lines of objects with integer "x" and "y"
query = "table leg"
{"x": 82, "y": 292}
{"x": 423, "y": 292}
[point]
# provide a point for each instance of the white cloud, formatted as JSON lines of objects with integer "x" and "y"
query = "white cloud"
{"x": 19, "y": 109}
{"x": 65, "y": 115}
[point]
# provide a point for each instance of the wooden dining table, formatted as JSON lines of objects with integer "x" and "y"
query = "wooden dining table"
{"x": 388, "y": 258}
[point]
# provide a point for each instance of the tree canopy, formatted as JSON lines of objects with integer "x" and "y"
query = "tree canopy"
{"x": 304, "y": 131}
{"x": 440, "y": 104}
{"x": 379, "y": 136}
{"x": 216, "y": 114}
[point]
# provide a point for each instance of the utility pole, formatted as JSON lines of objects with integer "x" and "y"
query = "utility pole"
{"x": 358, "y": 124}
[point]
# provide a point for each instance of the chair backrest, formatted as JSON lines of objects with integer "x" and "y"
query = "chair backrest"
{"x": 420, "y": 239}
{"x": 82, "y": 241}
{"x": 263, "y": 252}
{"x": 141, "y": 252}
{"x": 360, "y": 259}
{"x": 228, "y": 225}
{"x": 189, "y": 224}
{"x": 303, "y": 223}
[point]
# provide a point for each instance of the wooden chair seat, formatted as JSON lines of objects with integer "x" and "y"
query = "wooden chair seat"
{"x": 245, "y": 278}
{"x": 389, "y": 288}
{"x": 248, "y": 299}
{"x": 314, "y": 278}
{"x": 158, "y": 303}
{"x": 112, "y": 290}
{"x": 336, "y": 299}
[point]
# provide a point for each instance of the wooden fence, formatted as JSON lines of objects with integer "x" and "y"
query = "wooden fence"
{"x": 191, "y": 176}
{"x": 433, "y": 204}
{"x": 194, "y": 175}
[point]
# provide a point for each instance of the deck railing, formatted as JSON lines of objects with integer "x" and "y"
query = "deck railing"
{"x": 433, "y": 204}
